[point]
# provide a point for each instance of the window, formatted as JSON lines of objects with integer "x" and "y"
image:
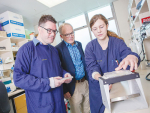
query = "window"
{"x": 106, "y": 11}
{"x": 81, "y": 24}
{"x": 112, "y": 26}
{"x": 83, "y": 36}
{"x": 77, "y": 22}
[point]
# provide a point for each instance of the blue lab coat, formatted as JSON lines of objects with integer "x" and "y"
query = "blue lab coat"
{"x": 35, "y": 64}
{"x": 103, "y": 61}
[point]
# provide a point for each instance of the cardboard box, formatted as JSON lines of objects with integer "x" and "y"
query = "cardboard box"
{"x": 3, "y": 34}
{"x": 15, "y": 31}
{"x": 15, "y": 18}
{"x": 12, "y": 23}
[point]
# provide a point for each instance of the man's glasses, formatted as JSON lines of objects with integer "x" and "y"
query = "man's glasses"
{"x": 49, "y": 31}
{"x": 68, "y": 35}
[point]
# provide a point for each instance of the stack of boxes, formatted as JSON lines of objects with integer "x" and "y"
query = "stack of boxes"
{"x": 12, "y": 23}
{"x": 2, "y": 33}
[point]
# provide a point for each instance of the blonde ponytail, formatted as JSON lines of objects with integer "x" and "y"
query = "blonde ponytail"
{"x": 112, "y": 34}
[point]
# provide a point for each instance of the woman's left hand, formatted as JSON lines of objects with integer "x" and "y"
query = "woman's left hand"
{"x": 110, "y": 86}
{"x": 131, "y": 60}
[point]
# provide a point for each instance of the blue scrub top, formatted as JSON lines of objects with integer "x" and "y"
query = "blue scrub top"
{"x": 35, "y": 64}
{"x": 98, "y": 60}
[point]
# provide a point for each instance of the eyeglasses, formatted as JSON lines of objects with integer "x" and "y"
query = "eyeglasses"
{"x": 68, "y": 35}
{"x": 49, "y": 31}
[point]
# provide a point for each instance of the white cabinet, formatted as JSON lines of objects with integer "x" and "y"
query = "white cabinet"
{"x": 8, "y": 52}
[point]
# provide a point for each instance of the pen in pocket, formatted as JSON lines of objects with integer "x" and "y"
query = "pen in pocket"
{"x": 117, "y": 62}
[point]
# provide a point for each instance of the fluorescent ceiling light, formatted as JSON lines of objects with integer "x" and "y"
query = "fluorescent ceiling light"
{"x": 51, "y": 3}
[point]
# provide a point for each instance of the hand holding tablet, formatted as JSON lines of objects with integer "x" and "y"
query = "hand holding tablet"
{"x": 67, "y": 78}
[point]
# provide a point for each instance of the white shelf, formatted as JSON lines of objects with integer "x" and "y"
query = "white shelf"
{"x": 5, "y": 70}
{"x": 16, "y": 38}
{"x": 3, "y": 38}
{"x": 8, "y": 52}
{"x": 5, "y": 50}
{"x": 141, "y": 13}
{"x": 132, "y": 5}
{"x": 19, "y": 41}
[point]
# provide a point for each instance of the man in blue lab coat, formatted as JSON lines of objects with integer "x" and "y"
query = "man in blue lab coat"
{"x": 38, "y": 71}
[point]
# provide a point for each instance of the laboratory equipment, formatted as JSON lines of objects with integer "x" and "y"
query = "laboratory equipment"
{"x": 126, "y": 93}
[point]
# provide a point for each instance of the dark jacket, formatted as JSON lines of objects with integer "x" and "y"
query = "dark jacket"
{"x": 68, "y": 65}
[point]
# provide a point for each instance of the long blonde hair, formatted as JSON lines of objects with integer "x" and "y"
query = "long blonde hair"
{"x": 100, "y": 16}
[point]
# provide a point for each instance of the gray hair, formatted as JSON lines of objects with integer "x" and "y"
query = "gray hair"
{"x": 61, "y": 26}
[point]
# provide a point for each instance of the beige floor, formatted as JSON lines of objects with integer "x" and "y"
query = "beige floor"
{"x": 146, "y": 88}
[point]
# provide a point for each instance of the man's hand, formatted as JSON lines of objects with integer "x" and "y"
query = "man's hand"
{"x": 67, "y": 80}
{"x": 129, "y": 60}
{"x": 57, "y": 81}
{"x": 67, "y": 95}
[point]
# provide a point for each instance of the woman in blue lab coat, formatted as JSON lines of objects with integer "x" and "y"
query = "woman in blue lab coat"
{"x": 108, "y": 52}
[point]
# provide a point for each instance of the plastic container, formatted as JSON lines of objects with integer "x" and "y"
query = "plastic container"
{"x": 116, "y": 74}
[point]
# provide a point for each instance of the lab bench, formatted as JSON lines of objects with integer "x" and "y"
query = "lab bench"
{"x": 18, "y": 101}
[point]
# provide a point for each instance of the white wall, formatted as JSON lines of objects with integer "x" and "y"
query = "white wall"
{"x": 36, "y": 29}
{"x": 28, "y": 25}
{"x": 121, "y": 10}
